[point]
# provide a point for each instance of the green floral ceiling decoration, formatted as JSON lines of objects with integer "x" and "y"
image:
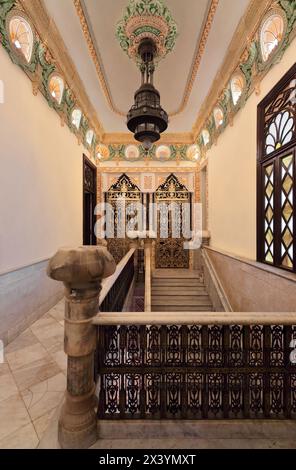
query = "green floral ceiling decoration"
{"x": 147, "y": 19}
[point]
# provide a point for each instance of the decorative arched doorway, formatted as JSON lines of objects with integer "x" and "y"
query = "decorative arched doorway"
{"x": 122, "y": 197}
{"x": 173, "y": 219}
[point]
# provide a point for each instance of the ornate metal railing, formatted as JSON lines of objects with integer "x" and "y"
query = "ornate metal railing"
{"x": 115, "y": 289}
{"x": 195, "y": 370}
{"x": 165, "y": 365}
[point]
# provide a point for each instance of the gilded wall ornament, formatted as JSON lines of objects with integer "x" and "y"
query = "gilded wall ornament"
{"x": 147, "y": 19}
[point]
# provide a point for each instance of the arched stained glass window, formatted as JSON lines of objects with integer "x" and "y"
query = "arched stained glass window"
{"x": 89, "y": 137}
{"x": 56, "y": 88}
{"x": 276, "y": 175}
{"x": 237, "y": 85}
{"x": 272, "y": 32}
{"x": 218, "y": 117}
{"x": 205, "y": 137}
{"x": 279, "y": 119}
{"x": 280, "y": 131}
{"x": 21, "y": 36}
{"x": 76, "y": 118}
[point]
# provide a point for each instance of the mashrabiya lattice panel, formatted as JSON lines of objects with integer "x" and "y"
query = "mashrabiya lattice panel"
{"x": 196, "y": 372}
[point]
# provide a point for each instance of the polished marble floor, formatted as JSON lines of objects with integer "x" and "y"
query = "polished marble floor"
{"x": 32, "y": 381}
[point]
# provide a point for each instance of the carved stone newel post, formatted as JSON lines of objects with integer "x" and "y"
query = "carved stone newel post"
{"x": 81, "y": 270}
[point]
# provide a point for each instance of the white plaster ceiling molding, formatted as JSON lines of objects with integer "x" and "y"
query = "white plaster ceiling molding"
{"x": 141, "y": 14}
{"x": 205, "y": 29}
{"x": 226, "y": 52}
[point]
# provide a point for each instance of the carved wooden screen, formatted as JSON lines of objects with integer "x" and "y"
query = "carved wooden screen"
{"x": 172, "y": 199}
{"x": 123, "y": 196}
{"x": 276, "y": 175}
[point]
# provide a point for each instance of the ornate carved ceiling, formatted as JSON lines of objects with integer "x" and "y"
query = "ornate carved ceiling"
{"x": 205, "y": 29}
{"x": 83, "y": 89}
{"x": 90, "y": 37}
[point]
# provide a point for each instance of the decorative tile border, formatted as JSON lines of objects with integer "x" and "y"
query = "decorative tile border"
{"x": 160, "y": 153}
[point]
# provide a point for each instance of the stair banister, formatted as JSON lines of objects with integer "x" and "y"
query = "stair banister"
{"x": 82, "y": 271}
{"x": 147, "y": 307}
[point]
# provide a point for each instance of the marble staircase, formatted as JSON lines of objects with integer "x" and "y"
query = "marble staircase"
{"x": 179, "y": 290}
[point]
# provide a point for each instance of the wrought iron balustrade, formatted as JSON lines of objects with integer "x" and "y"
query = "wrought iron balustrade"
{"x": 196, "y": 371}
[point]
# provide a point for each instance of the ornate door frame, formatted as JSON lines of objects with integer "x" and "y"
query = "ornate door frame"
{"x": 89, "y": 191}
{"x": 127, "y": 192}
{"x": 169, "y": 251}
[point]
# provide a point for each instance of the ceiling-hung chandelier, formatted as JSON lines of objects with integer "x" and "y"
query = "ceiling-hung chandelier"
{"x": 147, "y": 33}
{"x": 146, "y": 118}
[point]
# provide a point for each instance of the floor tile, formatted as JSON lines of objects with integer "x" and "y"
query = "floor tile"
{"x": 45, "y": 396}
{"x": 57, "y": 313}
{"x": 50, "y": 334}
{"x": 61, "y": 360}
{"x": 4, "y": 368}
{"x": 22, "y": 438}
{"x": 13, "y": 415}
{"x": 26, "y": 356}
{"x": 41, "y": 424}
{"x": 7, "y": 386}
{"x": 36, "y": 372}
{"x": 26, "y": 339}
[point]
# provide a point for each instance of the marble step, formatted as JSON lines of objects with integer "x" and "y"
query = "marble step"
{"x": 194, "y": 443}
{"x": 179, "y": 300}
{"x": 202, "y": 429}
{"x": 176, "y": 274}
{"x": 182, "y": 291}
{"x": 181, "y": 308}
{"x": 176, "y": 282}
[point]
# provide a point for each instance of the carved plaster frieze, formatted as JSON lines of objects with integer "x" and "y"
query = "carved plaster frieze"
{"x": 202, "y": 41}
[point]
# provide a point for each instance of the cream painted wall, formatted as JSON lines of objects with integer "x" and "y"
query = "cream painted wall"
{"x": 232, "y": 173}
{"x": 40, "y": 175}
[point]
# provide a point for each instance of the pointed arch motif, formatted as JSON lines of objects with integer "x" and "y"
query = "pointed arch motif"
{"x": 124, "y": 188}
{"x": 172, "y": 189}
{"x": 123, "y": 198}
{"x": 173, "y": 201}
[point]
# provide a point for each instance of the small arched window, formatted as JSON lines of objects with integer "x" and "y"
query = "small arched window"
{"x": 237, "y": 85}
{"x": 21, "y": 36}
{"x": 76, "y": 118}
{"x": 272, "y": 32}
{"x": 89, "y": 137}
{"x": 56, "y": 88}
{"x": 218, "y": 117}
{"x": 102, "y": 152}
{"x": 163, "y": 153}
{"x": 205, "y": 137}
{"x": 193, "y": 153}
